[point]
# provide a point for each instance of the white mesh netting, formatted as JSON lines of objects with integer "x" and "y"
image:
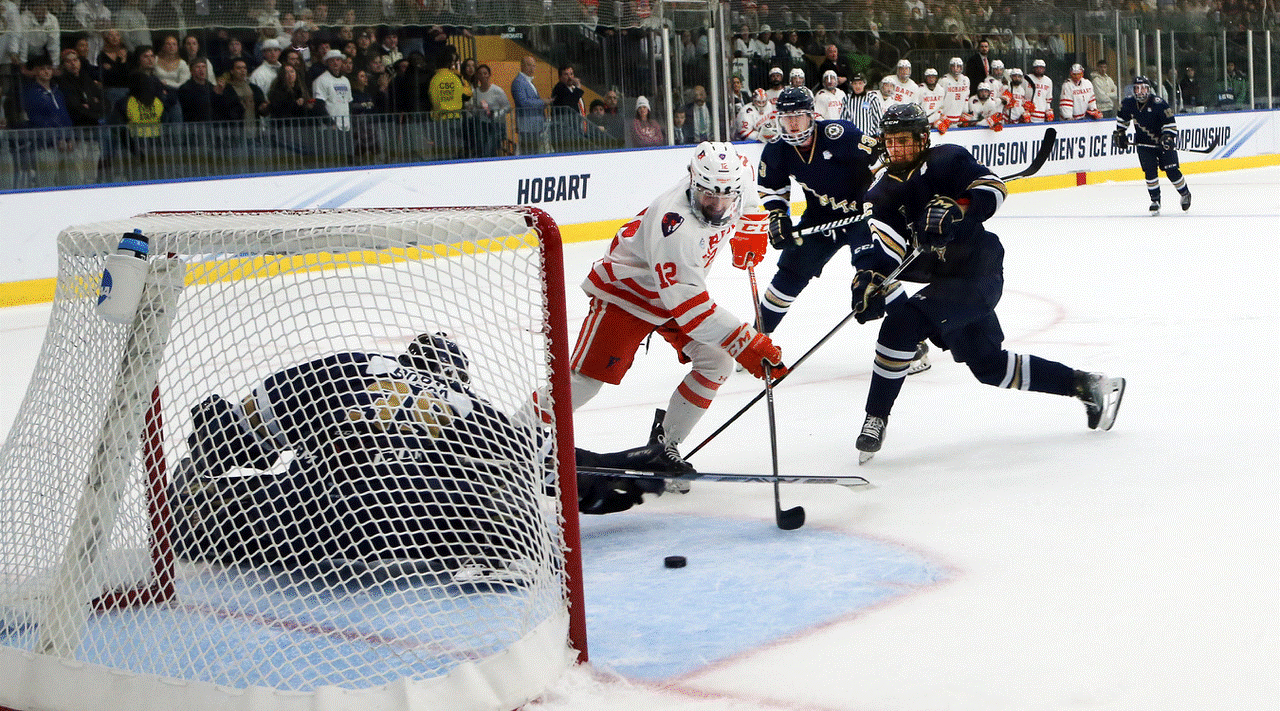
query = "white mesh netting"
{"x": 268, "y": 492}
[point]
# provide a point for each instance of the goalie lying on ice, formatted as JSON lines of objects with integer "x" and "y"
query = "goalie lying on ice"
{"x": 393, "y": 457}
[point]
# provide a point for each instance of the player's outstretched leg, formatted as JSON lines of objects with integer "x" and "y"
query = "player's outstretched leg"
{"x": 1101, "y": 396}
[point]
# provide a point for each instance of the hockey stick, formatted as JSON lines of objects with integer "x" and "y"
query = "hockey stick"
{"x": 1213, "y": 143}
{"x": 1042, "y": 155}
{"x": 792, "y": 518}
{"x": 848, "y": 317}
{"x": 847, "y": 480}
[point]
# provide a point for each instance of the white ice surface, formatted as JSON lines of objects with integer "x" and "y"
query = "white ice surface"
{"x": 1133, "y": 569}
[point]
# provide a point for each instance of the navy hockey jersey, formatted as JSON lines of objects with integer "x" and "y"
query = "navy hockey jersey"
{"x": 1150, "y": 119}
{"x": 834, "y": 172}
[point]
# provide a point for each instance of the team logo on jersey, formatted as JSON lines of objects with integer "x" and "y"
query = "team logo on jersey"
{"x": 834, "y": 130}
{"x": 670, "y": 223}
{"x": 826, "y": 155}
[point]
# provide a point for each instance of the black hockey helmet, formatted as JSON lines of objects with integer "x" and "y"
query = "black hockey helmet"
{"x": 795, "y": 101}
{"x": 436, "y": 353}
{"x": 910, "y": 119}
{"x": 1144, "y": 93}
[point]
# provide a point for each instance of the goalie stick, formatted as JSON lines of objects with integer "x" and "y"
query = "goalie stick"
{"x": 847, "y": 480}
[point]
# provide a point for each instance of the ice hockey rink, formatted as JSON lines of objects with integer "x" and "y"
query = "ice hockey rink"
{"x": 1005, "y": 557}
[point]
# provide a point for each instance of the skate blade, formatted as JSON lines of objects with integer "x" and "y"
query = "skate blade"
{"x": 918, "y": 366}
{"x": 864, "y": 457}
{"x": 1112, "y": 406}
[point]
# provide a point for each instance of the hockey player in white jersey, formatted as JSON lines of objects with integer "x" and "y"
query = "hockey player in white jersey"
{"x": 1015, "y": 98}
{"x": 1077, "y": 101}
{"x": 829, "y": 101}
{"x": 955, "y": 95}
{"x": 796, "y": 78}
{"x": 985, "y": 110}
{"x": 755, "y": 120}
{"x": 931, "y": 96}
{"x": 886, "y": 93}
{"x": 776, "y": 84}
{"x": 997, "y": 80}
{"x": 653, "y": 279}
{"x": 1041, "y": 93}
{"x": 905, "y": 89}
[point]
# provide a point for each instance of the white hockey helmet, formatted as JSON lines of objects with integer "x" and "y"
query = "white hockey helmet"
{"x": 1038, "y": 63}
{"x": 717, "y": 176}
{"x": 1076, "y": 69}
{"x": 904, "y": 64}
{"x": 1015, "y": 72}
{"x": 759, "y": 98}
{"x": 830, "y": 78}
{"x": 775, "y": 70}
{"x": 931, "y": 72}
{"x": 956, "y": 62}
{"x": 996, "y": 64}
{"x": 796, "y": 73}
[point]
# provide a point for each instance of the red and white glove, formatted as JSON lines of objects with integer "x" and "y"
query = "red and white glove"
{"x": 1093, "y": 114}
{"x": 1028, "y": 107}
{"x": 943, "y": 125}
{"x": 996, "y": 121}
{"x": 751, "y": 240}
{"x": 753, "y": 349}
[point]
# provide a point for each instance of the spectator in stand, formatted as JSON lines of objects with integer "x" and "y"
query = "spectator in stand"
{"x": 1192, "y": 98}
{"x": 645, "y": 129}
{"x": 978, "y": 68}
{"x": 332, "y": 91}
{"x": 389, "y": 47}
{"x": 611, "y": 102}
{"x": 567, "y": 109}
{"x": 864, "y": 108}
{"x": 489, "y": 107}
{"x": 43, "y": 33}
{"x": 300, "y": 41}
{"x": 833, "y": 62}
{"x": 793, "y": 50}
{"x": 697, "y": 117}
{"x": 1077, "y": 101}
{"x": 289, "y": 97}
{"x": 249, "y": 95}
{"x": 173, "y": 73}
{"x": 93, "y": 17}
{"x": 113, "y": 69}
{"x": 364, "y": 135}
{"x": 1172, "y": 91}
{"x": 146, "y": 59}
{"x": 132, "y": 24}
{"x": 1237, "y": 83}
{"x": 143, "y": 112}
{"x": 738, "y": 95}
{"x": 53, "y": 150}
{"x": 202, "y": 100}
{"x": 191, "y": 51}
{"x": 86, "y": 101}
{"x": 468, "y": 73}
{"x": 530, "y": 107}
{"x": 265, "y": 75}
{"x": 679, "y": 129}
{"x": 1105, "y": 90}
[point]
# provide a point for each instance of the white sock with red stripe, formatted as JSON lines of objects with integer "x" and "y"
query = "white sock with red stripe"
{"x": 688, "y": 404}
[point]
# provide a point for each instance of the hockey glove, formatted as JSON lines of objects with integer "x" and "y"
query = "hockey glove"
{"x": 868, "y": 297}
{"x": 769, "y": 132}
{"x": 1029, "y": 107}
{"x": 1168, "y": 141}
{"x": 943, "y": 125}
{"x": 781, "y": 232}
{"x": 936, "y": 228}
{"x": 1093, "y": 114}
{"x": 996, "y": 121}
{"x": 750, "y": 241}
{"x": 1120, "y": 139}
{"x": 753, "y": 349}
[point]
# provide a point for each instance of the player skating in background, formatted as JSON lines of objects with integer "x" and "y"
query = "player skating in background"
{"x": 755, "y": 120}
{"x": 1155, "y": 136}
{"x": 381, "y": 447}
{"x": 653, "y": 279}
{"x": 936, "y": 199}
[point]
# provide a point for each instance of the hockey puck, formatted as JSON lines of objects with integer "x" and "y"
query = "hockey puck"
{"x": 674, "y": 561}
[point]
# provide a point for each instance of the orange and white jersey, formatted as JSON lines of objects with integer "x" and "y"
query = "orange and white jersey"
{"x": 752, "y": 124}
{"x": 1041, "y": 98}
{"x": 904, "y": 92}
{"x": 1077, "y": 97}
{"x": 656, "y": 267}
{"x": 829, "y": 103}
{"x": 1015, "y": 105}
{"x": 931, "y": 101}
{"x": 955, "y": 95}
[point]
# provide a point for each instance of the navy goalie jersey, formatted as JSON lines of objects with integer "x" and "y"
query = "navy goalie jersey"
{"x": 834, "y": 172}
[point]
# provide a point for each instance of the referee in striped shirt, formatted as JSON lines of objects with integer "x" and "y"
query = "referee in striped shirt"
{"x": 863, "y": 107}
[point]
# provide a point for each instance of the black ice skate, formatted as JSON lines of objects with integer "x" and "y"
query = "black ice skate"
{"x": 871, "y": 437}
{"x": 1154, "y": 209}
{"x": 1186, "y": 201}
{"x": 1101, "y": 396}
{"x": 920, "y": 363}
{"x": 667, "y": 455}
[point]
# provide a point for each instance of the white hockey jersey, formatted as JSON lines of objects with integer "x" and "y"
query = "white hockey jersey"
{"x": 1041, "y": 98}
{"x": 1076, "y": 98}
{"x": 931, "y": 101}
{"x": 1015, "y": 105}
{"x": 981, "y": 112}
{"x": 955, "y": 95}
{"x": 656, "y": 267}
{"x": 829, "y": 103}
{"x": 753, "y": 125}
{"x": 905, "y": 92}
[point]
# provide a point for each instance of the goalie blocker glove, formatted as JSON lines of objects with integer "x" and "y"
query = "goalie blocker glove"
{"x": 753, "y": 349}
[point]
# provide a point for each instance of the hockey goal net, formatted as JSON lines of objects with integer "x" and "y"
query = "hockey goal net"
{"x": 380, "y": 565}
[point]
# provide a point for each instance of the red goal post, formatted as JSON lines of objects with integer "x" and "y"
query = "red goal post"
{"x": 98, "y": 610}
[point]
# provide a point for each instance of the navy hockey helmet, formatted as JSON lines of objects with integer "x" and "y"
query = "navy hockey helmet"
{"x": 1141, "y": 88}
{"x": 907, "y": 119}
{"x": 795, "y": 114}
{"x": 436, "y": 353}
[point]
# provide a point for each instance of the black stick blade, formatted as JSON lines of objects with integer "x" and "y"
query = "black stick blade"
{"x": 791, "y": 519}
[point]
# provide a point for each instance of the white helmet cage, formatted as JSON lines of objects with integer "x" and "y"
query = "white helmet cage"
{"x": 716, "y": 171}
